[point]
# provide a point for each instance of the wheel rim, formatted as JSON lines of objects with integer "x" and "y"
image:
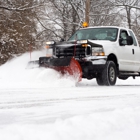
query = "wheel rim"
{"x": 112, "y": 74}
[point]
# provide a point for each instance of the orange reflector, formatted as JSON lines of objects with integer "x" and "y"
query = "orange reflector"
{"x": 102, "y": 54}
{"x": 98, "y": 54}
{"x": 84, "y": 45}
{"x": 48, "y": 55}
{"x": 47, "y": 47}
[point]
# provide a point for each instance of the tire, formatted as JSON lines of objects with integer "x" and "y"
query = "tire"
{"x": 109, "y": 75}
{"x": 99, "y": 80}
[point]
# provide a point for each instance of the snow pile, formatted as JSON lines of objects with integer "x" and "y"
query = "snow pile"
{"x": 41, "y": 104}
{"x": 116, "y": 125}
{"x": 16, "y": 74}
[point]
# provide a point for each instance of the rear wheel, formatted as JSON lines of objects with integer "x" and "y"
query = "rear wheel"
{"x": 109, "y": 75}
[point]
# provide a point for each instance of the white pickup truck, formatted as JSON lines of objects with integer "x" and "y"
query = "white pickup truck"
{"x": 103, "y": 52}
{"x": 114, "y": 48}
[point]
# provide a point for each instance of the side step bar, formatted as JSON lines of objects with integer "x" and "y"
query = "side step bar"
{"x": 129, "y": 74}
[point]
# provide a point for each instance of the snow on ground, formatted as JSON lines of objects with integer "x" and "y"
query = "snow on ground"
{"x": 41, "y": 104}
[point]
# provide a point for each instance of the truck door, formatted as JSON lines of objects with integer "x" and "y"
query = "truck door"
{"x": 136, "y": 50}
{"x": 126, "y": 53}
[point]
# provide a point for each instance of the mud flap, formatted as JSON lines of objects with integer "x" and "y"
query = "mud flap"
{"x": 64, "y": 65}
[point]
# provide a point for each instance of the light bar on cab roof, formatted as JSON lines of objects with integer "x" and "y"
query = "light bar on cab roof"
{"x": 82, "y": 42}
{"x": 85, "y": 24}
{"x": 50, "y": 42}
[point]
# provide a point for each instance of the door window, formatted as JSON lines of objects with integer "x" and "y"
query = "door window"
{"x": 123, "y": 37}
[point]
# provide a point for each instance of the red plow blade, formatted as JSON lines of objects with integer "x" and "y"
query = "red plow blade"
{"x": 74, "y": 69}
{"x": 64, "y": 65}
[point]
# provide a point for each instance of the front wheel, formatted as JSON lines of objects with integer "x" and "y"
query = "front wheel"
{"x": 99, "y": 80}
{"x": 109, "y": 75}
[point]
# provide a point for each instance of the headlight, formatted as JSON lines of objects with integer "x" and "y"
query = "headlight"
{"x": 49, "y": 52}
{"x": 82, "y": 42}
{"x": 96, "y": 51}
{"x": 50, "y": 42}
{"x": 49, "y": 48}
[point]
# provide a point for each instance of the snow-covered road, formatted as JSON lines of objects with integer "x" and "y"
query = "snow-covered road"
{"x": 40, "y": 104}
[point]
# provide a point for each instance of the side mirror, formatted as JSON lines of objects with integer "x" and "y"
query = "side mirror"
{"x": 127, "y": 41}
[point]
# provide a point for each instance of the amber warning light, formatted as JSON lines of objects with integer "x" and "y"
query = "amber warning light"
{"x": 85, "y": 24}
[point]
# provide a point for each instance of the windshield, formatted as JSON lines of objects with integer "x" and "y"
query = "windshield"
{"x": 95, "y": 34}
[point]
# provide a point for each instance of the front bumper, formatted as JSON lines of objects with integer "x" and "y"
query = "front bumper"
{"x": 96, "y": 60}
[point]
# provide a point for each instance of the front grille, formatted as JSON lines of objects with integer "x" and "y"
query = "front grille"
{"x": 78, "y": 52}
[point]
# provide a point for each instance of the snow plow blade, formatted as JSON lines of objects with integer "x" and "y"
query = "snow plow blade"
{"x": 64, "y": 65}
{"x": 32, "y": 64}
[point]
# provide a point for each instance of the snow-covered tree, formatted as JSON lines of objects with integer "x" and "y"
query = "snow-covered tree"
{"x": 32, "y": 22}
{"x": 63, "y": 17}
{"x": 17, "y": 26}
{"x": 130, "y": 12}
